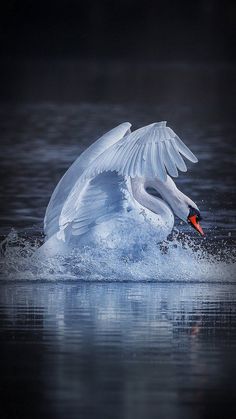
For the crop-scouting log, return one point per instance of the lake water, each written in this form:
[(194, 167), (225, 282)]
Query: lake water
[(105, 335), (118, 350)]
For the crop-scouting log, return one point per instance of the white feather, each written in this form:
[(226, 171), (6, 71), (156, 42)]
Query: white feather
[(93, 190), (64, 187), (152, 145)]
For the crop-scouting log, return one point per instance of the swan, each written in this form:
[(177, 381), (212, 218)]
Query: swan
[(123, 174)]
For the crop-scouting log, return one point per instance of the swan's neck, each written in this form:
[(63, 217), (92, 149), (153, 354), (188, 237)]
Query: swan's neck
[(152, 203)]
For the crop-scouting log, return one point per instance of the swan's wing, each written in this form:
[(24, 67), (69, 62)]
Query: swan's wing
[(150, 152), (64, 187), (91, 203)]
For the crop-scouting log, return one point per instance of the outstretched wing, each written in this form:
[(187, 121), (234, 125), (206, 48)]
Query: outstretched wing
[(64, 187), (91, 203), (151, 152)]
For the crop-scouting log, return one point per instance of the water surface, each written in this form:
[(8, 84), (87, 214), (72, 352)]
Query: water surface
[(104, 334), (118, 350)]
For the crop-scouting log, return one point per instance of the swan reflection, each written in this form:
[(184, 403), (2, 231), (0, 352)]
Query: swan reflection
[(94, 347)]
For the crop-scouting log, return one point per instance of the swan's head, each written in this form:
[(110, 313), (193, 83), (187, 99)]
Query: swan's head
[(193, 219), (188, 211), (182, 206)]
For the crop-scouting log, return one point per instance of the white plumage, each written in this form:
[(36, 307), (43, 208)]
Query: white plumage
[(110, 179), (148, 152)]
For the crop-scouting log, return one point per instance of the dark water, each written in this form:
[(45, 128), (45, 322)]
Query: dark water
[(112, 348)]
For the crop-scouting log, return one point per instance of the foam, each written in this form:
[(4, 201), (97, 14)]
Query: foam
[(123, 256)]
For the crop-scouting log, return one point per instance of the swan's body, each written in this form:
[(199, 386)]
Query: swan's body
[(109, 182)]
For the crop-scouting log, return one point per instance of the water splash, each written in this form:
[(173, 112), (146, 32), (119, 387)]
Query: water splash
[(138, 257)]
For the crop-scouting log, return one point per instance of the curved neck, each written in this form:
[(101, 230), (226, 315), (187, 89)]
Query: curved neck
[(152, 203)]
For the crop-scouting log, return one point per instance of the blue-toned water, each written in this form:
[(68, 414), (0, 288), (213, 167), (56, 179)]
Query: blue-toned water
[(116, 331), (117, 350)]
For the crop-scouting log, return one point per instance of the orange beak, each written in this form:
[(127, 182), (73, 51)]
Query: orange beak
[(193, 221)]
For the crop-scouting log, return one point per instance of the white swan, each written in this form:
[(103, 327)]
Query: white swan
[(112, 179)]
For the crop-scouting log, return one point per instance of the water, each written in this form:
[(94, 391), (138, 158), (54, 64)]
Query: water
[(118, 350), (104, 333)]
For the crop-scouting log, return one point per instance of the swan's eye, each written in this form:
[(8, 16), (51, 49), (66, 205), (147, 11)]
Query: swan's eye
[(198, 218), (194, 211)]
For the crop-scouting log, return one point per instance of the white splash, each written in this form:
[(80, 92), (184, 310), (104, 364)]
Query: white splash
[(136, 256)]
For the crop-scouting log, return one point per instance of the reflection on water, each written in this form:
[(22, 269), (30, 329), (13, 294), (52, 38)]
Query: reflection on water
[(118, 350)]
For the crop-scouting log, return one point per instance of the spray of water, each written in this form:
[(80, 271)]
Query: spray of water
[(136, 256)]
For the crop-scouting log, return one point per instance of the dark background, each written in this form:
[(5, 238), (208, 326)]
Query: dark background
[(123, 29), (57, 50)]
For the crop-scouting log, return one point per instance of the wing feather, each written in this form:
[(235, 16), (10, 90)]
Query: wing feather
[(153, 159), (185, 150), (149, 173), (133, 160), (162, 171), (151, 151), (139, 160), (124, 167), (92, 202), (176, 156), (169, 161)]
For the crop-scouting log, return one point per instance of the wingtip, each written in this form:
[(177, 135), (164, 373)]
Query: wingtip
[(128, 124), (161, 124), (195, 159)]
